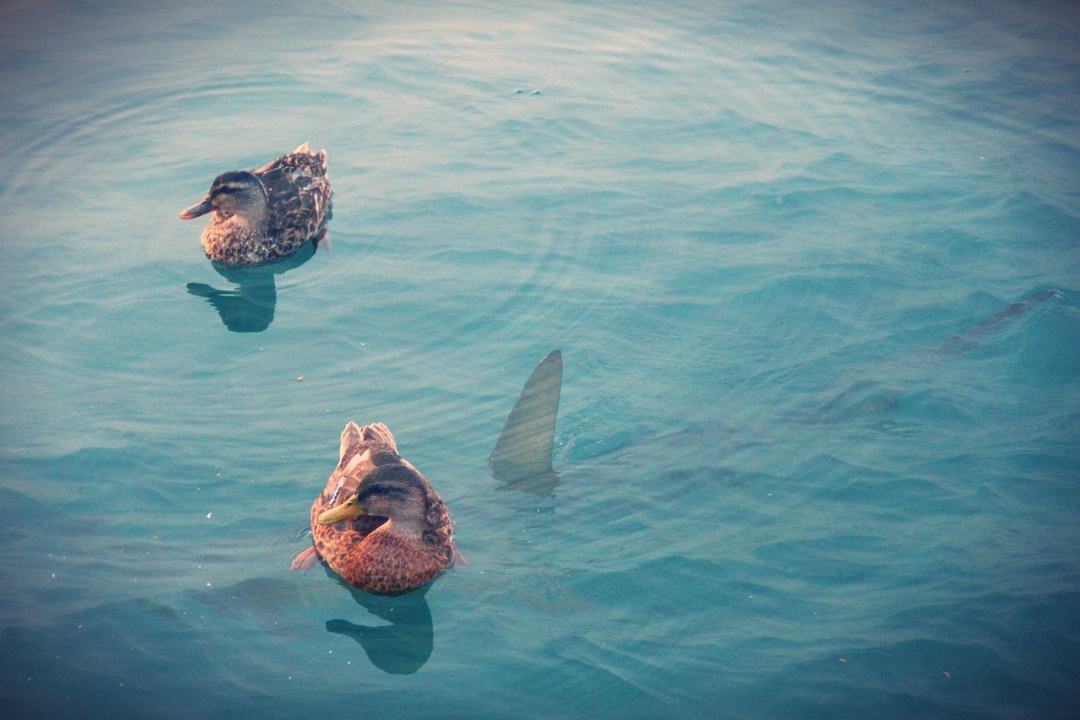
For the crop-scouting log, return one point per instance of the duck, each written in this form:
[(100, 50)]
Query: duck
[(379, 524), (267, 214)]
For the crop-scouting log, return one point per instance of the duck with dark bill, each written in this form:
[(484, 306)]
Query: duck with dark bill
[(267, 214)]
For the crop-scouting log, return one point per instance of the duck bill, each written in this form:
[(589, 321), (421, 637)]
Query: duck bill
[(196, 210), (345, 511)]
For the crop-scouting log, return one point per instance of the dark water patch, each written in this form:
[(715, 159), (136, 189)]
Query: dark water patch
[(404, 645), (250, 306), (112, 662)]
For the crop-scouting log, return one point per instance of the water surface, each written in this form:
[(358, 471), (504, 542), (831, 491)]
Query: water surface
[(808, 463)]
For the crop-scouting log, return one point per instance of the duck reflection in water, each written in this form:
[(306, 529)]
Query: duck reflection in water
[(521, 459), (403, 646), (250, 306)]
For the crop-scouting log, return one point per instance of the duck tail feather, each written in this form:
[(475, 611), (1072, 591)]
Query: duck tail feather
[(351, 435)]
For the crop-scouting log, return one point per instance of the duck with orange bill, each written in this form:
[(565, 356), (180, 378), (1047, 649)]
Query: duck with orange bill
[(379, 523)]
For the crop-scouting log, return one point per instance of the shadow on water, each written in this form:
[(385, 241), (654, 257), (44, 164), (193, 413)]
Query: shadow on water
[(869, 398), (250, 306), (968, 340), (403, 646), (521, 459)]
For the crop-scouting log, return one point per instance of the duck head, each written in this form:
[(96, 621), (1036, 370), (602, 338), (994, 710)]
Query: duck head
[(392, 491), (233, 193)]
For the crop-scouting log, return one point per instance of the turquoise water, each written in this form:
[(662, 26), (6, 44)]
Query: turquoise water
[(810, 464)]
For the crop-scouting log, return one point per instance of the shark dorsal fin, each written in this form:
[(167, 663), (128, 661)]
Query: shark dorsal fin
[(528, 437)]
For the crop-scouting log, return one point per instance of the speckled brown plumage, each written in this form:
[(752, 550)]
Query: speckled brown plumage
[(367, 552), (298, 204)]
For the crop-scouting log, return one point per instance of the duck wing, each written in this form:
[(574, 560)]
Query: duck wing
[(298, 195)]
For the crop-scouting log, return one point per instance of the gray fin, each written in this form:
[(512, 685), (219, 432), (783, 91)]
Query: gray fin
[(528, 437)]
